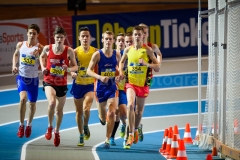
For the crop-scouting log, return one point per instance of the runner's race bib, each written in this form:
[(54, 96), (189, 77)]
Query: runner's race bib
[(108, 72), (57, 71), (82, 72), (28, 60)]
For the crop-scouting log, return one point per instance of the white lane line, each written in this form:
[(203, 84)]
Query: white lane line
[(172, 102), (3, 124), (153, 90), (43, 100), (157, 75), (176, 74), (172, 88), (183, 59), (23, 152), (24, 147), (12, 89), (148, 104)]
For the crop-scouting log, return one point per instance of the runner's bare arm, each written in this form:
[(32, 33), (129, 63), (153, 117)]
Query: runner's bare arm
[(72, 59), (122, 62), (158, 52), (118, 55), (93, 62), (16, 57), (155, 64), (43, 59)]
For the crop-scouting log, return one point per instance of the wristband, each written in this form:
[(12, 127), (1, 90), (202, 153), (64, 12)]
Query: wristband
[(147, 64), (68, 70)]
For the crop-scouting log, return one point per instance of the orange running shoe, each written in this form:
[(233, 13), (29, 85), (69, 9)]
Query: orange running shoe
[(135, 137), (130, 140)]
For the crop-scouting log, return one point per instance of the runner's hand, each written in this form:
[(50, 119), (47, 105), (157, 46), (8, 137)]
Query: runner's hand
[(36, 52), (65, 67), (74, 75), (14, 70), (117, 79), (141, 61), (104, 79), (44, 71), (121, 76)]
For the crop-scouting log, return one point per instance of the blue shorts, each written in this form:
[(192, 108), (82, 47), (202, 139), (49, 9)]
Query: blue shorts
[(103, 96), (122, 97), (30, 85), (78, 91)]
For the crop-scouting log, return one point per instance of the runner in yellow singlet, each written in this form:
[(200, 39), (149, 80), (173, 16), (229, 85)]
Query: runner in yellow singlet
[(157, 53), (137, 84), (83, 85)]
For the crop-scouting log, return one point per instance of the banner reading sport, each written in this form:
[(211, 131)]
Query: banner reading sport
[(14, 31), (175, 31)]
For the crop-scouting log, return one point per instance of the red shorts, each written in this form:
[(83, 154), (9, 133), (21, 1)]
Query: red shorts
[(140, 91)]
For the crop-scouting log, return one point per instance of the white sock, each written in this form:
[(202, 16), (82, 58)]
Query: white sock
[(29, 124)]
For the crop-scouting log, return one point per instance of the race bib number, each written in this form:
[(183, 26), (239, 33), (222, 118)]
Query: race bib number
[(135, 70), (28, 60), (82, 72), (108, 72), (57, 71)]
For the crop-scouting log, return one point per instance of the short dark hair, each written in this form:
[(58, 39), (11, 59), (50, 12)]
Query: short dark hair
[(128, 34), (34, 26), (138, 28), (59, 30), (85, 28), (120, 34)]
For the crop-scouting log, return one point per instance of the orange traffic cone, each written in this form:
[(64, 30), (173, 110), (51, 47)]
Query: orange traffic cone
[(175, 131), (187, 134), (236, 129), (209, 157), (169, 142), (174, 147), (170, 129), (164, 143), (214, 151), (181, 154)]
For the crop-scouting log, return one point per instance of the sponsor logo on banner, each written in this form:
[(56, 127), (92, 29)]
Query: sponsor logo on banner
[(176, 33), (93, 26), (14, 31)]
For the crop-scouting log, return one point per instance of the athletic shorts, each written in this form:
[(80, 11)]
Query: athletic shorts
[(103, 96), (30, 85), (122, 97), (140, 91), (60, 90), (78, 91)]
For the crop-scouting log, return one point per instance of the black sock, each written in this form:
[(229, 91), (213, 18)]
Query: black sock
[(115, 129)]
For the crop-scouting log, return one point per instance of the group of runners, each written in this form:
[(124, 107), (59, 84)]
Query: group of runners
[(118, 79)]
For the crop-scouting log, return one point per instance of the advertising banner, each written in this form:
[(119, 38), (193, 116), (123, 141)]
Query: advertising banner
[(175, 31), (14, 31)]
